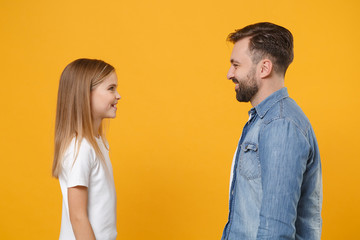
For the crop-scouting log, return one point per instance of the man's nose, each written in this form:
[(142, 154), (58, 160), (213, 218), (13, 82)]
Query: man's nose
[(230, 73)]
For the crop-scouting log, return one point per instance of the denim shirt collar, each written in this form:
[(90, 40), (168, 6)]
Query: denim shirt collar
[(263, 107)]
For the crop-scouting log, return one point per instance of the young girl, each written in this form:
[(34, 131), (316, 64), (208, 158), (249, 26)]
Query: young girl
[(87, 94)]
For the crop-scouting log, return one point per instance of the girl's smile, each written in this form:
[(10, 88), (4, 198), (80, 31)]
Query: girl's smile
[(104, 98)]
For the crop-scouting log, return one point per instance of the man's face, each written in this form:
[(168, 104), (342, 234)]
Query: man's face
[(243, 72)]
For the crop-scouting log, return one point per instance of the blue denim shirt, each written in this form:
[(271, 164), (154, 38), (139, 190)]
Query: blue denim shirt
[(276, 187)]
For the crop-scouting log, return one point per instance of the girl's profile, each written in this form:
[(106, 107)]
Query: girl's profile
[(87, 94)]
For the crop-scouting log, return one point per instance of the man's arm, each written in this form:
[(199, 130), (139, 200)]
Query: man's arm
[(283, 154), (78, 199)]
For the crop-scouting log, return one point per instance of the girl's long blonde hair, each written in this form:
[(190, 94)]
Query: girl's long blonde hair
[(73, 112)]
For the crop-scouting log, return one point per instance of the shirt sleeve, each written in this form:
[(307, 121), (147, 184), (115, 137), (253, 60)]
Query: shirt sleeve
[(79, 168), (283, 154)]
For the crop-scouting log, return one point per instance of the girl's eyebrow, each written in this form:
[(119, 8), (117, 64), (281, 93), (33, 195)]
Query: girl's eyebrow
[(112, 85)]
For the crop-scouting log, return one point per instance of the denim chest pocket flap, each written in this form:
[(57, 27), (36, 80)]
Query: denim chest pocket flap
[(250, 146), (249, 164)]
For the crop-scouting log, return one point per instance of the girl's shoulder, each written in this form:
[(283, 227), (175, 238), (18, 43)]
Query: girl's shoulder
[(102, 143), (79, 151)]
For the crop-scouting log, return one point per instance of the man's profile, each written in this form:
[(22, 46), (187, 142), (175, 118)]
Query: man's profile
[(276, 181)]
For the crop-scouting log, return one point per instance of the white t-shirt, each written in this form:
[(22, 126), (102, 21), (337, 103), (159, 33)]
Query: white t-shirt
[(233, 163), (88, 170)]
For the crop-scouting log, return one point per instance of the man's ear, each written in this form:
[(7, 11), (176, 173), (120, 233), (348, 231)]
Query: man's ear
[(266, 67)]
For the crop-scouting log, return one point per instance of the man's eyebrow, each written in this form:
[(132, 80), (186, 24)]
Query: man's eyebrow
[(232, 61)]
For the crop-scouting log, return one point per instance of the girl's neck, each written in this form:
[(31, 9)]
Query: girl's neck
[(96, 126)]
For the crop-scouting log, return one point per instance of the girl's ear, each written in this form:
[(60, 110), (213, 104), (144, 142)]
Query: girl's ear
[(266, 68)]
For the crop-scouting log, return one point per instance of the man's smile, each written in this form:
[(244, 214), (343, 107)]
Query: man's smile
[(234, 80), (236, 83)]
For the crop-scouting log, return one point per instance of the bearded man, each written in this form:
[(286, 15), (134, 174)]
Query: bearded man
[(276, 180)]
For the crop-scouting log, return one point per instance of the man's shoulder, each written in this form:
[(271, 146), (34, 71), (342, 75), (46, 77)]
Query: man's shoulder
[(287, 109)]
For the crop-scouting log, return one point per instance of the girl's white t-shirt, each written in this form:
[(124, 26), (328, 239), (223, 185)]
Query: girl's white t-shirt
[(89, 171)]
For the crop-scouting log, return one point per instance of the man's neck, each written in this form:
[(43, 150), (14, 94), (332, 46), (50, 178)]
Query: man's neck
[(268, 87)]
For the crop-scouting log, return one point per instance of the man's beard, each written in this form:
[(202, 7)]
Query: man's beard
[(247, 87)]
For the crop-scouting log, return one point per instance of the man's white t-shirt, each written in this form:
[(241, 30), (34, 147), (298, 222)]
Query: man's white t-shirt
[(89, 171), (233, 163)]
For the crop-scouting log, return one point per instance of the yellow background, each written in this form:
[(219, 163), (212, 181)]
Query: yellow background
[(178, 121)]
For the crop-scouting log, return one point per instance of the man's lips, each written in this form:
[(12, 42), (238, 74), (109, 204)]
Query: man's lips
[(237, 87), (236, 83)]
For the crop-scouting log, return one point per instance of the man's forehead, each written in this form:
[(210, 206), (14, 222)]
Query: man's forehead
[(242, 44), (240, 49)]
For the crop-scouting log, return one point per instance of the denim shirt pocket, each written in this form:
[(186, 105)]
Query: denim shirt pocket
[(249, 164)]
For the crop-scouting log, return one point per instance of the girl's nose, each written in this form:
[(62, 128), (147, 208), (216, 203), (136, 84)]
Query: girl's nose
[(118, 97)]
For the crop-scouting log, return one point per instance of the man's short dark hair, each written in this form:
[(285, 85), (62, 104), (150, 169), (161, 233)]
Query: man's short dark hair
[(268, 40)]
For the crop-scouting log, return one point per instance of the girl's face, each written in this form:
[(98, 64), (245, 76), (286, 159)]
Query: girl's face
[(104, 99)]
